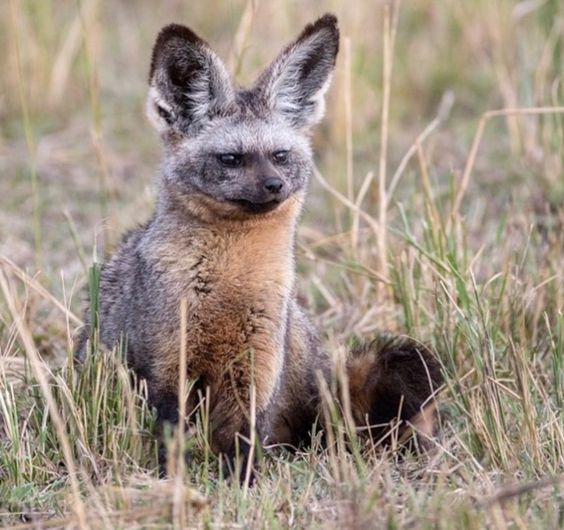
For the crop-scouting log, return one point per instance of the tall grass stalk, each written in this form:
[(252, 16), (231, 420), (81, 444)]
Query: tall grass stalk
[(15, 9)]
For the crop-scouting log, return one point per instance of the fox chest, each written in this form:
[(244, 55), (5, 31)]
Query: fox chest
[(233, 316)]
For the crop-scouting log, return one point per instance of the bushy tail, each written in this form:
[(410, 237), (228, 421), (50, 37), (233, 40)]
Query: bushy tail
[(392, 381)]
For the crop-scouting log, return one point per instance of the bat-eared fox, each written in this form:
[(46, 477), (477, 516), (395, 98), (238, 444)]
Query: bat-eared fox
[(233, 182)]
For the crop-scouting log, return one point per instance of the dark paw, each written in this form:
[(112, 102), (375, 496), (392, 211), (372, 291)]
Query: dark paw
[(163, 461), (249, 463), (242, 465)]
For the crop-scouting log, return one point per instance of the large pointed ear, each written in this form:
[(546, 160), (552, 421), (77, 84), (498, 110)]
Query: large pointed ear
[(188, 82), (295, 83)]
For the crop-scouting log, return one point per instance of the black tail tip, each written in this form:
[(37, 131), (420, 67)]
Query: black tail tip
[(393, 380)]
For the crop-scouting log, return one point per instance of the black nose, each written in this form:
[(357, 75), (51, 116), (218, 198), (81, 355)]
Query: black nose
[(273, 185)]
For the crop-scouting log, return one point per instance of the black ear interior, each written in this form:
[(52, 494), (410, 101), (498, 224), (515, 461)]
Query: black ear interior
[(166, 115), (322, 54), (180, 72), (191, 83), (314, 71), (176, 64)]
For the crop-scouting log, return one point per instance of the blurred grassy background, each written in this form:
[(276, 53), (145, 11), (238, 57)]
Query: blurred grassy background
[(483, 283)]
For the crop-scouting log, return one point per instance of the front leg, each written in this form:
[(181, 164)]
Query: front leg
[(231, 432), (166, 404)]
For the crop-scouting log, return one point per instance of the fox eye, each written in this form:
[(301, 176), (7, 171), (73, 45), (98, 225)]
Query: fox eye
[(231, 159), (280, 157)]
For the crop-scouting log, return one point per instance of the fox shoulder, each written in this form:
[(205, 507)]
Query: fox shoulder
[(115, 276)]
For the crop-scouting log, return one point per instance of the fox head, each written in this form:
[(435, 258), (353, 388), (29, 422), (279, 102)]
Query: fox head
[(238, 152)]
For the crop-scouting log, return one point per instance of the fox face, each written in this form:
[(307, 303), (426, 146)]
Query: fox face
[(238, 152)]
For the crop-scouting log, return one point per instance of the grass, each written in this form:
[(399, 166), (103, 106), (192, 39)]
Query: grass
[(437, 212)]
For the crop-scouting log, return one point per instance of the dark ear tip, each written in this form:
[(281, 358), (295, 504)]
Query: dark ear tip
[(326, 22), (328, 19), (169, 33), (172, 31)]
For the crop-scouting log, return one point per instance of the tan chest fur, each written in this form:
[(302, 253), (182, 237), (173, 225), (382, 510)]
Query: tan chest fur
[(237, 284)]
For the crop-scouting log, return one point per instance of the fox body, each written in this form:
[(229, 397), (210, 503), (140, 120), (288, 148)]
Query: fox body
[(236, 167)]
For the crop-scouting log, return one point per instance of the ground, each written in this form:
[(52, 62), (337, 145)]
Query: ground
[(430, 216)]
